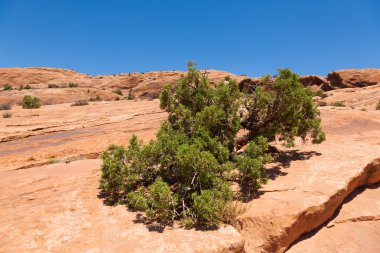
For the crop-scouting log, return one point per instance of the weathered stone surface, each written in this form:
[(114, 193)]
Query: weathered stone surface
[(316, 82), (350, 78), (146, 85), (318, 179), (55, 208), (355, 227)]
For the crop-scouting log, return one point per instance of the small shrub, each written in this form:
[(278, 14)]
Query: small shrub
[(52, 86), (378, 106), (130, 96), (29, 102), (320, 93), (322, 103), (95, 99), (27, 87), (338, 104), (117, 98), (80, 102), (7, 87), (73, 85), (7, 115), (5, 107), (118, 91)]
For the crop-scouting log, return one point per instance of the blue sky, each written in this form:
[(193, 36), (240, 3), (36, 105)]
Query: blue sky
[(243, 37)]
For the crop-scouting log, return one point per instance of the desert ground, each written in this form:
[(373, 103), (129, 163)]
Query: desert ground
[(320, 198)]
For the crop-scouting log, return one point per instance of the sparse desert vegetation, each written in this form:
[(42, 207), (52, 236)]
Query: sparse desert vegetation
[(80, 102), (338, 104), (7, 87), (52, 86), (7, 114), (118, 91), (5, 107), (73, 85), (29, 102)]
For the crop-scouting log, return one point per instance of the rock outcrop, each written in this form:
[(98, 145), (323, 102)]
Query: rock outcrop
[(316, 82), (318, 179), (145, 85), (354, 78), (353, 228)]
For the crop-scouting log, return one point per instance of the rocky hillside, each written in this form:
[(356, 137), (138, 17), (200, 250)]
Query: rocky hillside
[(142, 85)]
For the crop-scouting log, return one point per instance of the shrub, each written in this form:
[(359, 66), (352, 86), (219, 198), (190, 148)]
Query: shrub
[(7, 87), (378, 105), (130, 96), (29, 102), (320, 93), (7, 115), (73, 85), (321, 103), (52, 86), (80, 102), (187, 171), (337, 104), (117, 98), (27, 87), (5, 107), (97, 98), (118, 91)]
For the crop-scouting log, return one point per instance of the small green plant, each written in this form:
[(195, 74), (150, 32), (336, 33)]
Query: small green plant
[(73, 85), (51, 161), (95, 99), (52, 86), (80, 102), (130, 96), (7, 115), (378, 105), (338, 104), (27, 87), (117, 98), (322, 103), (118, 91), (319, 93), (29, 102), (7, 87), (5, 107)]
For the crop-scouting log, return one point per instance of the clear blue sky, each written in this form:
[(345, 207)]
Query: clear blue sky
[(243, 37)]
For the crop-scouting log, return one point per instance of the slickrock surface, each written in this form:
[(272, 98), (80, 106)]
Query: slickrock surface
[(56, 132), (56, 208), (318, 179), (147, 85), (354, 228), (350, 78)]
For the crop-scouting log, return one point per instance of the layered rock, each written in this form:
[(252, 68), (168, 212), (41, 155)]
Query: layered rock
[(353, 228), (57, 208), (316, 182), (354, 78), (316, 82)]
